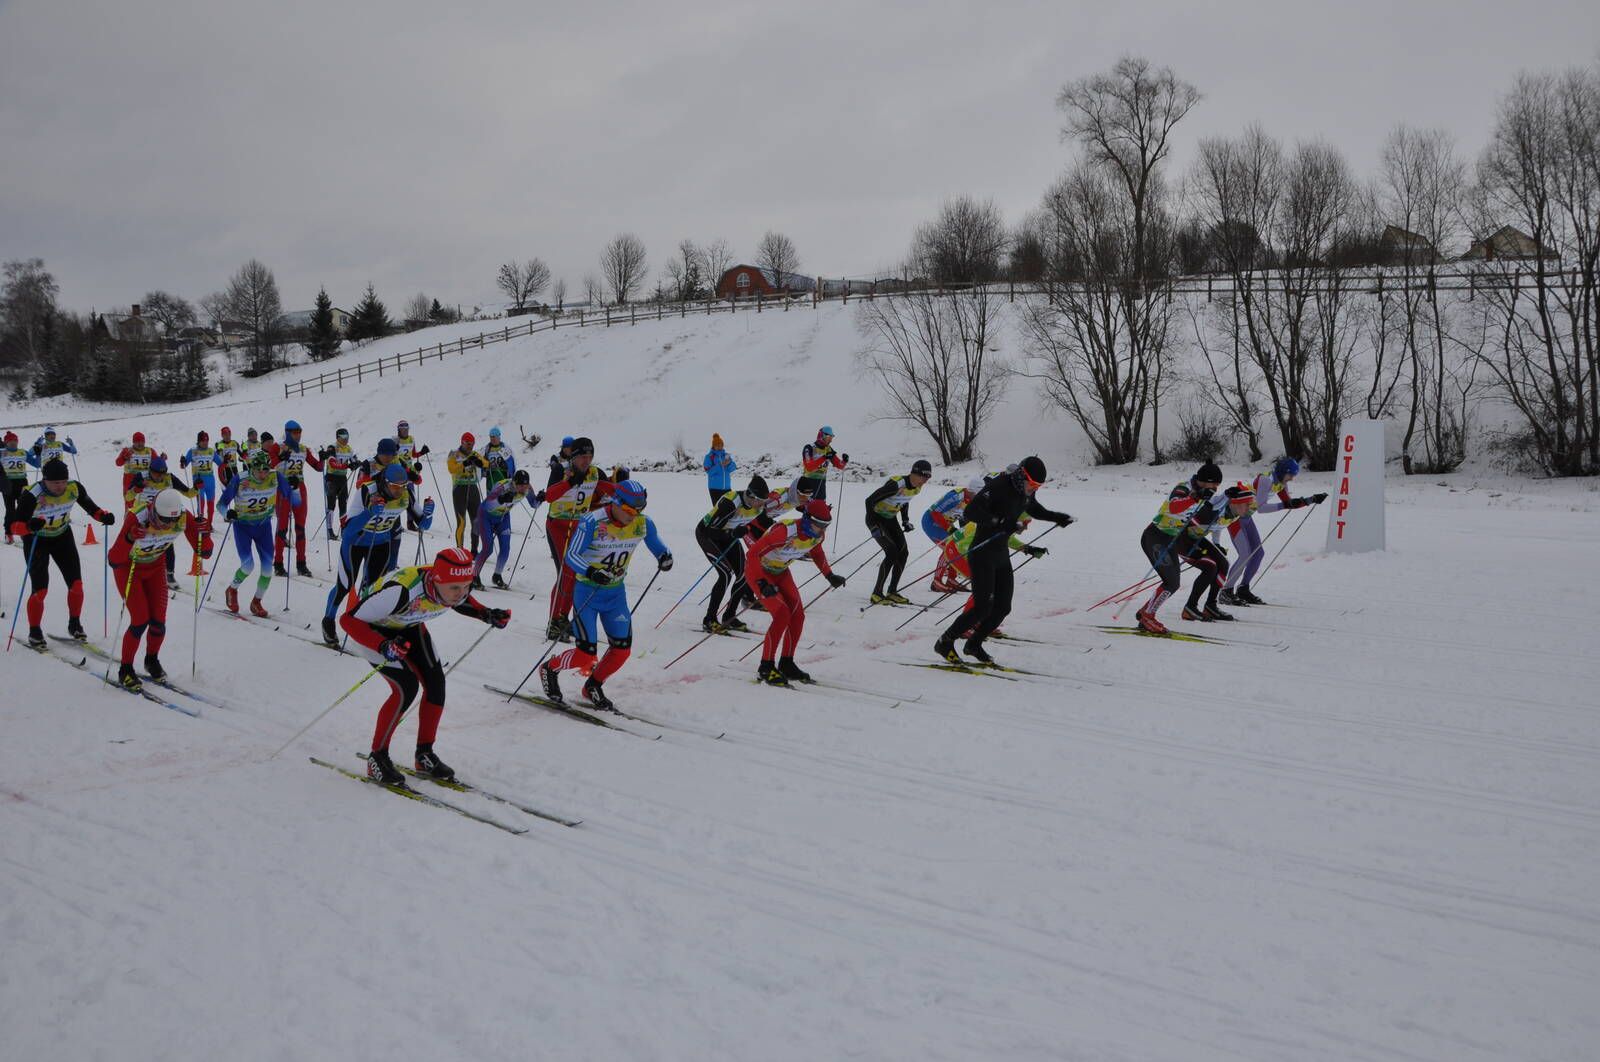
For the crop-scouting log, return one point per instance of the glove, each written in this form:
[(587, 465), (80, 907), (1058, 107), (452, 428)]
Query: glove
[(394, 649), (664, 562), (422, 453), (845, 458), (539, 496), (1035, 551), (766, 588), (427, 507), (1318, 499), (597, 575), (205, 550), (71, 443), (202, 525), (20, 527), (135, 532), (1220, 548), (230, 516), (294, 481), (1063, 520), (105, 518), (835, 581), (498, 618), (905, 524)]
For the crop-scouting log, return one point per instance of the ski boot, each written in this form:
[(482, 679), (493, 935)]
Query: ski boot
[(333, 536), (975, 651), (330, 635), (477, 583), (1195, 614), (770, 675), (791, 670), (734, 623), (429, 764), (595, 695), (551, 681), (1148, 622), (499, 583), (879, 598), (172, 581), (278, 569), (301, 569), (232, 597), (36, 638), (945, 648), (381, 769), (1245, 596), (1212, 612), (153, 668), (710, 625), (1229, 597), (258, 609), (128, 680), (897, 598), (75, 629)]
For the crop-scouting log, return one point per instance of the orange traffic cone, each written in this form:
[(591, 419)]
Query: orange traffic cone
[(88, 535)]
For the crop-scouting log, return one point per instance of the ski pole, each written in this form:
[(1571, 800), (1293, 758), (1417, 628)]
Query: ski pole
[(200, 598), (449, 526), (22, 587), (105, 585), (323, 714), (126, 590), (1019, 567), (194, 626), (635, 606), (1262, 577), (518, 562), (470, 648), (808, 604), (816, 574), (546, 652), (711, 567)]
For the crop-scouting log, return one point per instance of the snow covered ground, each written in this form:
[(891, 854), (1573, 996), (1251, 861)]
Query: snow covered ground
[(1366, 830)]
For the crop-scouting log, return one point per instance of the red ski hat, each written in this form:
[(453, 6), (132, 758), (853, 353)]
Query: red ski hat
[(467, 441), (11, 436), (138, 438), (453, 565), (819, 512)]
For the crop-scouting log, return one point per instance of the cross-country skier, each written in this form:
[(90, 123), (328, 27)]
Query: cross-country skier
[(48, 448), (996, 512), (569, 498), (230, 455), (558, 460), (954, 548), (337, 461), (137, 569), (940, 521), (372, 538), (815, 457), (718, 534), (389, 622), (201, 458), (498, 461), (1176, 535), (1272, 495), (248, 503), (493, 524), (43, 521), (387, 453), (146, 485), (464, 463), (888, 519), (252, 445), (597, 556), (13, 477), (134, 460), (766, 569), (291, 458), (410, 450)]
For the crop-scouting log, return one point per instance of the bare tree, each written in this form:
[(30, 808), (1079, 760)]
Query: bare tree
[(935, 360), (558, 294), (594, 290), (251, 299), (965, 244), (777, 255), (417, 310), (716, 257), (522, 281), (27, 310), (172, 311), (623, 266), (685, 274)]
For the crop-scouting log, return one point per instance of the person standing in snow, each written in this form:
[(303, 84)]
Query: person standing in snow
[(201, 458), (719, 466), (888, 519), (137, 569), (498, 461), (464, 463), (291, 458), (337, 461), (43, 521), (13, 477)]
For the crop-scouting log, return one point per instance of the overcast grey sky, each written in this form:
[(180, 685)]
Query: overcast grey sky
[(151, 144)]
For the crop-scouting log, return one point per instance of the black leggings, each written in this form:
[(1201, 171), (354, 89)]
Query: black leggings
[(467, 499), (425, 674), (60, 548), (886, 529), (1166, 552), (336, 492), (722, 549), (993, 583), (12, 489)]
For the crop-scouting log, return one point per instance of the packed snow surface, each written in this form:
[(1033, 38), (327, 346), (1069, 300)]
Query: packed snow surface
[(1364, 829)]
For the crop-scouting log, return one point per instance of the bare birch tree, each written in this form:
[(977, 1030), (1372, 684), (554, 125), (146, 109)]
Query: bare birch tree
[(777, 255), (521, 282), (623, 266)]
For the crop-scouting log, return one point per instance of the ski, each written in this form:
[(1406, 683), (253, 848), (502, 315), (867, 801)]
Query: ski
[(422, 798), (959, 669), (108, 658), (842, 687), (45, 650), (568, 710), (193, 713), (1026, 673), (458, 786), (241, 617), (1204, 639)]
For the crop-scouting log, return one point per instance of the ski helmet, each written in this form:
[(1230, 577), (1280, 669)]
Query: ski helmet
[(494, 433), (582, 445), (388, 448), (158, 463), (566, 442), (1285, 468), (921, 467), (403, 428), (757, 488), (49, 433), (453, 565), (396, 473), (1208, 473), (824, 432), (467, 440), (290, 425), (521, 478), (202, 436), (55, 468), (138, 437), (342, 433), (168, 504), (818, 513), (260, 461), (631, 492)]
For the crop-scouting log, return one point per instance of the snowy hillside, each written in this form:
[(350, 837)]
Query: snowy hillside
[(1363, 829)]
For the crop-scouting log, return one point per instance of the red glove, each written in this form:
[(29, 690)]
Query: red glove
[(135, 531)]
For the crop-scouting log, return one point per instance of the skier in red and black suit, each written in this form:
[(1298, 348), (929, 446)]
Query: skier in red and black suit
[(291, 458), (767, 571), (996, 512)]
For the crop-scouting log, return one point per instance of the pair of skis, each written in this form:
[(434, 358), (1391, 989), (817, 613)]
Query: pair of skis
[(455, 786)]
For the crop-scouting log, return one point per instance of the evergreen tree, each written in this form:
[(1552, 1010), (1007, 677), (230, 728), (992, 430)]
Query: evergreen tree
[(370, 319), (439, 315), (58, 358), (324, 340)]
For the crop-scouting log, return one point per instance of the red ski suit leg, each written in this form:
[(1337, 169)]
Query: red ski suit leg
[(146, 596), (788, 616)]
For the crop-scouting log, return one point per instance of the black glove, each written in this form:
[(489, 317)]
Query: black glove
[(1062, 519), (35, 523), (835, 581), (539, 496), (105, 518), (498, 618), (597, 575), (767, 589), (294, 482), (1318, 499), (394, 649), (1221, 549), (905, 525), (664, 562), (845, 458), (230, 516), (422, 452), (1035, 551)]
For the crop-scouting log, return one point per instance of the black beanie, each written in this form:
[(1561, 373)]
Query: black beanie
[(55, 468), (1208, 473)]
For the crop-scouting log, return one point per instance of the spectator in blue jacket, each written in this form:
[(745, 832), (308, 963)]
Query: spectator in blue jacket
[(719, 466)]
